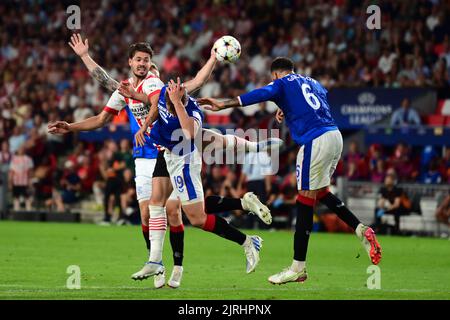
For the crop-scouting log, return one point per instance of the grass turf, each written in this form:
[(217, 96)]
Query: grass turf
[(34, 258)]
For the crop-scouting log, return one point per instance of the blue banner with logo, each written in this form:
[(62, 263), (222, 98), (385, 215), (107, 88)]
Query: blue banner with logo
[(357, 108)]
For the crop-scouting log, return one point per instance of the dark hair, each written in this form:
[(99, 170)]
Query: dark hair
[(282, 64), (140, 46)]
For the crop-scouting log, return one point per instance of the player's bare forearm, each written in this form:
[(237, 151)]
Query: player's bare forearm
[(187, 123), (202, 76), (91, 123), (141, 97), (104, 79), (230, 103), (99, 74)]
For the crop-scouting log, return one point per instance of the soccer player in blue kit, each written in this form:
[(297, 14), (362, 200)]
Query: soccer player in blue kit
[(303, 103)]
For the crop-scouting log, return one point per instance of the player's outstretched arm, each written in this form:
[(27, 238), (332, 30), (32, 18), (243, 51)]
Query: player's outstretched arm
[(217, 105), (92, 123), (98, 73), (189, 125), (202, 76), (266, 93)]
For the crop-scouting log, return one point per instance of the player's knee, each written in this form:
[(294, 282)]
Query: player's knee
[(199, 221), (157, 201), (173, 215)]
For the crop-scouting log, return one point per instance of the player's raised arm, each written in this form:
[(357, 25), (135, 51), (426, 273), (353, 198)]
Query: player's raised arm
[(266, 93), (202, 76), (189, 124), (92, 123), (98, 73)]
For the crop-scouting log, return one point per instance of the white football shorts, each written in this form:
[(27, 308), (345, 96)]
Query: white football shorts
[(317, 161), (185, 175)]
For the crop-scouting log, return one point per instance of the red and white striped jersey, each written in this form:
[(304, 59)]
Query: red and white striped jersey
[(151, 85), (137, 112), (20, 166)]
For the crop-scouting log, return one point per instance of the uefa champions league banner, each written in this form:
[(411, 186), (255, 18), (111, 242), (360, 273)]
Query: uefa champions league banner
[(357, 108)]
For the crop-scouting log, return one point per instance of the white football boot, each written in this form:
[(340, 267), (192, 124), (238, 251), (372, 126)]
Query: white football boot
[(252, 246), (250, 202), (159, 280), (287, 275), (149, 269), (175, 278)]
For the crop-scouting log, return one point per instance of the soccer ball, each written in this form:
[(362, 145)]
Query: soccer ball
[(227, 49)]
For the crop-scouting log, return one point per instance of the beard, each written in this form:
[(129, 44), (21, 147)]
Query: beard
[(141, 73)]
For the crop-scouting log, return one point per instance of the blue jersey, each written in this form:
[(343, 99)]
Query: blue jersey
[(167, 129), (303, 101), (137, 111)]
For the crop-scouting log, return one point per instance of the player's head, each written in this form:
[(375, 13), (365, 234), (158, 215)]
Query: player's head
[(140, 58), (280, 67)]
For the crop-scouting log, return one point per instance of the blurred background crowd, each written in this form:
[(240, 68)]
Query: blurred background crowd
[(42, 80)]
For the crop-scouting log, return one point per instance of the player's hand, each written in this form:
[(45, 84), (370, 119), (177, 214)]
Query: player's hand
[(213, 54), (58, 127), (76, 43), (176, 90), (279, 116), (139, 137), (211, 104), (126, 90)]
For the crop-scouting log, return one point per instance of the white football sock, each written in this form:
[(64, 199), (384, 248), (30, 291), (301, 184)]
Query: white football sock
[(157, 230), (234, 141), (297, 266), (359, 231)]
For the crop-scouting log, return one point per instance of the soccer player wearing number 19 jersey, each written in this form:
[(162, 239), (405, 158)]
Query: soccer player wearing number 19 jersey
[(304, 105)]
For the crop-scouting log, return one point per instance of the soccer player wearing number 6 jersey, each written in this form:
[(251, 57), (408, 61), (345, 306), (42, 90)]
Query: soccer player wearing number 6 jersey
[(303, 103)]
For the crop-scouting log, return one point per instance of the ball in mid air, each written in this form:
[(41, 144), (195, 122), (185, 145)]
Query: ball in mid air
[(227, 49)]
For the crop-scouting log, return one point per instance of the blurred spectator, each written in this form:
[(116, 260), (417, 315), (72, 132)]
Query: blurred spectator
[(20, 174), (405, 116), (386, 61), (43, 183), (130, 205), (444, 165), (213, 181), (282, 201), (262, 112), (125, 155), (112, 192), (82, 112), (70, 187), (17, 139), (403, 164), (378, 173), (432, 175), (354, 162), (392, 200), (443, 211), (5, 156)]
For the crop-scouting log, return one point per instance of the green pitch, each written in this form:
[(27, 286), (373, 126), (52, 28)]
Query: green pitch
[(34, 258)]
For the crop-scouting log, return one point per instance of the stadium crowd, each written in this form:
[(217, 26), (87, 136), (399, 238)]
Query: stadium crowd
[(42, 80)]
